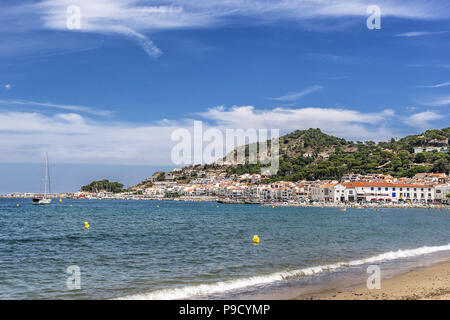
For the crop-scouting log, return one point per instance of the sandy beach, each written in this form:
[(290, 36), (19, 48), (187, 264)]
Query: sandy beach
[(430, 283)]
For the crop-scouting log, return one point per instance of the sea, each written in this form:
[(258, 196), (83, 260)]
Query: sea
[(204, 250)]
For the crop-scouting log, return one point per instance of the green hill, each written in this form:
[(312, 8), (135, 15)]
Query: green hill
[(311, 154)]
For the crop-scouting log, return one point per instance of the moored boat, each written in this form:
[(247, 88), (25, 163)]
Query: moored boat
[(45, 199)]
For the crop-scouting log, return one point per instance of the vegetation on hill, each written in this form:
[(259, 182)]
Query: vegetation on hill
[(103, 186), (311, 154)]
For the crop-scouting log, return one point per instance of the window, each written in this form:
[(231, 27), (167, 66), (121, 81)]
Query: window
[(429, 194), (401, 189), (386, 189), (393, 189), (379, 189), (372, 188)]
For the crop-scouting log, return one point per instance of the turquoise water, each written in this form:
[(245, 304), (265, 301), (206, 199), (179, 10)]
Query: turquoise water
[(174, 250)]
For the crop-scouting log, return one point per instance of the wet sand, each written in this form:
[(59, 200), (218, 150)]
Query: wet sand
[(431, 283)]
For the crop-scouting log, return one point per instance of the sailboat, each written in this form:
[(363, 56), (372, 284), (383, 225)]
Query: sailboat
[(45, 198)]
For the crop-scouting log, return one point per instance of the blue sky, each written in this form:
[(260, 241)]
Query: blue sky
[(112, 92)]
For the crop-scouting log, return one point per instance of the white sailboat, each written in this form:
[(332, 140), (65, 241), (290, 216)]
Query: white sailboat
[(45, 198)]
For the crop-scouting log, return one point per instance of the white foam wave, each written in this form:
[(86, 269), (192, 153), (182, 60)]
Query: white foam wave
[(236, 284)]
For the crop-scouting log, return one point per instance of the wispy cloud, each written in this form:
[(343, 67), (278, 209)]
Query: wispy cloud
[(439, 101), (337, 77), (439, 85), (325, 56), (420, 33), (422, 119), (8, 86), (75, 108), (295, 96), (136, 19)]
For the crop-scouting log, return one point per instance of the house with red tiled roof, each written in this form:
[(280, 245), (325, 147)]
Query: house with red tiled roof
[(431, 178)]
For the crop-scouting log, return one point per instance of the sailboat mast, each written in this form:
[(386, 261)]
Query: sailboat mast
[(47, 175)]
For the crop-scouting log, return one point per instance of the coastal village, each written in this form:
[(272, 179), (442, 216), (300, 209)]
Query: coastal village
[(422, 189), (412, 171)]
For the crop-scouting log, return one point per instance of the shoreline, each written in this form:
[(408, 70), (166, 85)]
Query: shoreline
[(419, 283), (221, 201)]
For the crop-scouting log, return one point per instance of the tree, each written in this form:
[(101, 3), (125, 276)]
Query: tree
[(440, 166), (420, 157), (103, 186), (404, 155), (396, 162)]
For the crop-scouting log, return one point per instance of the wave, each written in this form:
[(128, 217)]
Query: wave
[(203, 290)]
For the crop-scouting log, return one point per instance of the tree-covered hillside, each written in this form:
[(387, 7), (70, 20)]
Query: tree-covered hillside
[(311, 154)]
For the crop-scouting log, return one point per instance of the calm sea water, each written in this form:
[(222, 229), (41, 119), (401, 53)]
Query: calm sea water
[(187, 250)]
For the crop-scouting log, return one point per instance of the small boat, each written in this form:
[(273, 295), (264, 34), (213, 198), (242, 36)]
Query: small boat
[(42, 200), (344, 209), (45, 199)]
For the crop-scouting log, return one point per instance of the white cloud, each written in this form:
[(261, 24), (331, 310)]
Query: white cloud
[(137, 18), (298, 95), (149, 47), (439, 85), (440, 101), (340, 122), (88, 110), (8, 86), (419, 33), (73, 138), (422, 119)]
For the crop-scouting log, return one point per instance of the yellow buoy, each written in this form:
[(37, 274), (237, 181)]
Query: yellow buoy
[(255, 239), (86, 225), (60, 200), (273, 207), (17, 204), (157, 206), (70, 205)]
